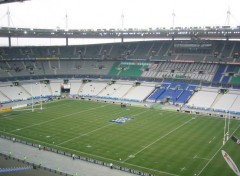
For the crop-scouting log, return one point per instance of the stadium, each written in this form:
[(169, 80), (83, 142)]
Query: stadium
[(165, 104)]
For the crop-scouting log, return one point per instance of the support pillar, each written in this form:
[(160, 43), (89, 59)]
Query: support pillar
[(9, 41), (66, 41), (122, 40)]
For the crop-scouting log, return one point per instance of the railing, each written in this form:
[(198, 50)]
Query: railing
[(34, 166), (137, 172)]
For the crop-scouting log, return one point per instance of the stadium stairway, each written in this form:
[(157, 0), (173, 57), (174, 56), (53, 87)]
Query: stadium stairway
[(155, 94), (103, 89), (4, 95), (128, 91), (184, 97), (50, 89), (80, 88), (236, 78), (114, 70), (218, 75), (219, 96), (23, 89)]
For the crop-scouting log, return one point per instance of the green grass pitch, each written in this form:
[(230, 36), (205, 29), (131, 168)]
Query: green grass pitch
[(155, 141)]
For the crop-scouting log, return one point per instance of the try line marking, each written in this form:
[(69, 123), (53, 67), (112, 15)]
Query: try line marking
[(158, 139), (60, 117), (215, 153)]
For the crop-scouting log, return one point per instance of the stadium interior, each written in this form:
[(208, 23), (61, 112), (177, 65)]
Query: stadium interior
[(180, 73), (152, 107)]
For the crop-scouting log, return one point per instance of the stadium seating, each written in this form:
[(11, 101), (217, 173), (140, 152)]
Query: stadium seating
[(235, 106), (92, 89), (138, 93), (203, 99), (156, 94), (225, 102), (55, 87), (115, 91), (14, 93), (177, 72), (184, 97), (75, 86), (218, 75)]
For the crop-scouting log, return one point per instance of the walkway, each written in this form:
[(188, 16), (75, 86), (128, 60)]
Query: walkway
[(56, 161)]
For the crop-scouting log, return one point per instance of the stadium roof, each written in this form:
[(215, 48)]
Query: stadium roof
[(9, 1), (217, 32)]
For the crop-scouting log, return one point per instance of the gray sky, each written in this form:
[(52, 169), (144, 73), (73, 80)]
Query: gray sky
[(95, 14), (106, 14)]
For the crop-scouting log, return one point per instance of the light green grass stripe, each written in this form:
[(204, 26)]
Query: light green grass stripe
[(60, 117), (159, 139), (216, 153), (88, 154)]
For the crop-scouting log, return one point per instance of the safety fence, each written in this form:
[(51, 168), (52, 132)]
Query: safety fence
[(106, 164)]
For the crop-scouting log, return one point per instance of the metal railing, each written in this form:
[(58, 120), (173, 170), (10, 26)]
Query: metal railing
[(106, 164)]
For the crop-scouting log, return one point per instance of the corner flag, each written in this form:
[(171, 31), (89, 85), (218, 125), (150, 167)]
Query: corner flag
[(236, 140)]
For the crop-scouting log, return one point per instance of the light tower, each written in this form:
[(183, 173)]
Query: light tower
[(227, 22), (122, 20), (66, 21), (8, 17), (173, 19)]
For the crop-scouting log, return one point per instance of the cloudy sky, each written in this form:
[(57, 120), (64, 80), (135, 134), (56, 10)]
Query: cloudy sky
[(106, 14), (95, 14)]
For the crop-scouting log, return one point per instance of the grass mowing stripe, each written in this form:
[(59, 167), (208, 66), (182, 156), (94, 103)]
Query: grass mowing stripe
[(118, 142), (167, 173), (84, 134), (158, 139), (96, 129), (60, 117), (215, 154)]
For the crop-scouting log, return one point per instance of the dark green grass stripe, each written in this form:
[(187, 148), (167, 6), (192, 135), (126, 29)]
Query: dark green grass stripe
[(93, 137), (200, 172), (165, 135), (57, 118)]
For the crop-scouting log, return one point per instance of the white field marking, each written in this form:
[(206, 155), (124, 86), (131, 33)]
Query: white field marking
[(8, 117), (84, 134), (211, 140), (196, 157), (92, 154), (215, 153), (59, 117), (140, 113), (159, 139), (26, 109), (30, 110), (78, 126), (182, 169)]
